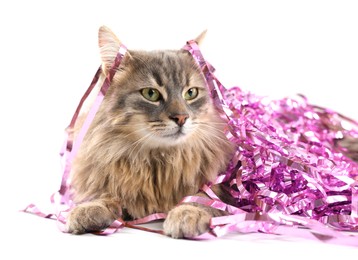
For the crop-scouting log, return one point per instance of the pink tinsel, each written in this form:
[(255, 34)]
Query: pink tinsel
[(289, 168), (290, 160)]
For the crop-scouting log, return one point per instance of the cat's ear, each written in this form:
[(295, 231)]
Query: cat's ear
[(200, 38), (109, 46)]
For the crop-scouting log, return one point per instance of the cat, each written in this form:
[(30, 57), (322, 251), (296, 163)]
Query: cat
[(156, 138)]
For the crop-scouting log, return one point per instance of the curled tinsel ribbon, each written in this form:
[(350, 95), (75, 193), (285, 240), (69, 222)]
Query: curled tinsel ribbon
[(290, 147), (291, 168), (296, 164)]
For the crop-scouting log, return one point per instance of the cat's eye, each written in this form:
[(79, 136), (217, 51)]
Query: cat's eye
[(191, 93), (151, 94)]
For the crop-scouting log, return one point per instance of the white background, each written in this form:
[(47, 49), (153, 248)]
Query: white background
[(49, 54)]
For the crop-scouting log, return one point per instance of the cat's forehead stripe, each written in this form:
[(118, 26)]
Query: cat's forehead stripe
[(157, 77), (174, 70)]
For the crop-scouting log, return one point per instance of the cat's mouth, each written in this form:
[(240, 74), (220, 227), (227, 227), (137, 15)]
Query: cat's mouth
[(179, 133), (169, 135), (176, 134)]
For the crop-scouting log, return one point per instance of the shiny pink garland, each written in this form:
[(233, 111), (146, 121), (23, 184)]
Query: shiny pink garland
[(288, 170)]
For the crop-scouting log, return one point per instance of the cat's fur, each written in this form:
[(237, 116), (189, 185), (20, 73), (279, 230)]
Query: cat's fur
[(140, 156)]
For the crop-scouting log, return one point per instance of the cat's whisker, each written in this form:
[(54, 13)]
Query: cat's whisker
[(219, 127), (132, 133), (210, 123), (209, 136), (140, 141), (130, 125), (209, 132), (216, 128)]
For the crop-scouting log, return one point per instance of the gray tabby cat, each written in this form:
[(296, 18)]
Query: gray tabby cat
[(156, 138)]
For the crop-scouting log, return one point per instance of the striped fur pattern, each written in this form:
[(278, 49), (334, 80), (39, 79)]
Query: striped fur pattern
[(156, 138)]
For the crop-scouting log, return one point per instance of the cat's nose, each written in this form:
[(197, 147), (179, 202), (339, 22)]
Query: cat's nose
[(179, 119)]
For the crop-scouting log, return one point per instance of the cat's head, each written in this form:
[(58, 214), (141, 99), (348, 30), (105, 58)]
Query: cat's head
[(157, 98)]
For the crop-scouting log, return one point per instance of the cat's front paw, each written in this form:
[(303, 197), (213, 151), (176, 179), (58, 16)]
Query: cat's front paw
[(186, 221), (88, 218)]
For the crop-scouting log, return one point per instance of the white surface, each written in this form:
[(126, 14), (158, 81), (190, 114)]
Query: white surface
[(48, 56)]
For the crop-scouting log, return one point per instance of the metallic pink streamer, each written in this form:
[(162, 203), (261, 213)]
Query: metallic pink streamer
[(290, 170)]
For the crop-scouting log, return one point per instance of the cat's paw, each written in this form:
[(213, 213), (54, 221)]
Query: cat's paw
[(88, 217), (186, 221)]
